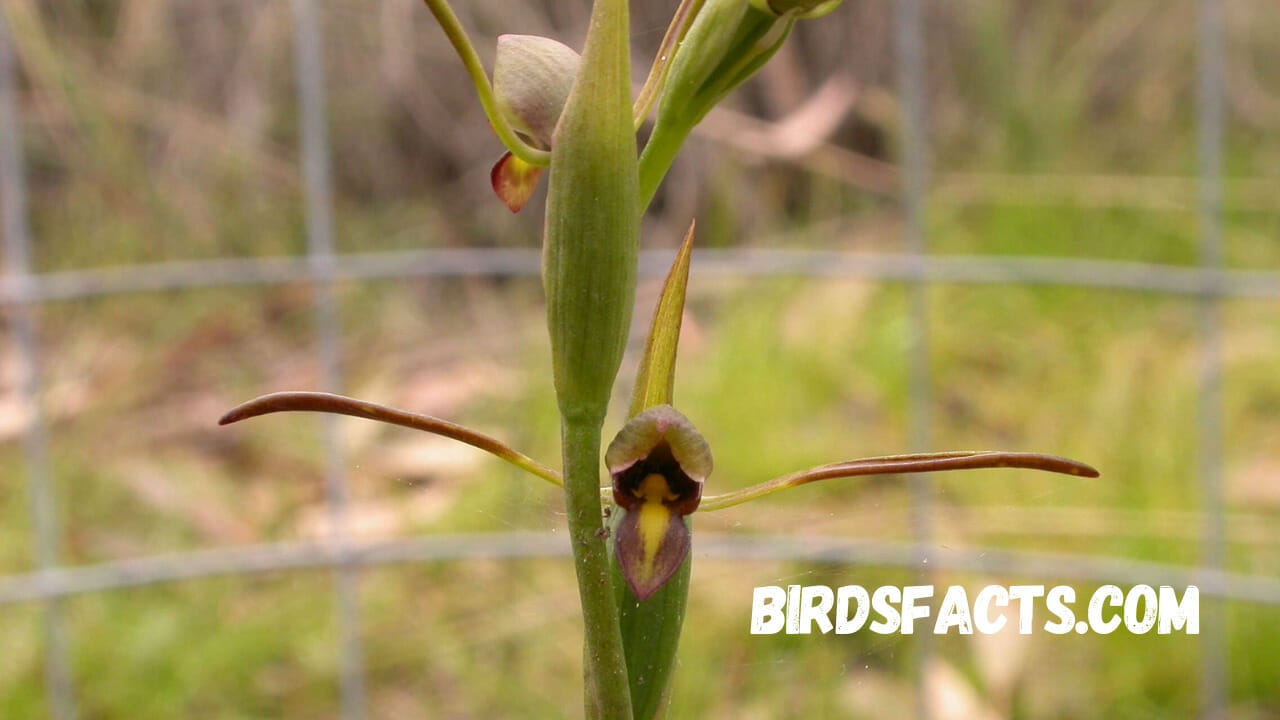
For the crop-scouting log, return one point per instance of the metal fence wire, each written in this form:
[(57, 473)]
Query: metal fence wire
[(22, 291)]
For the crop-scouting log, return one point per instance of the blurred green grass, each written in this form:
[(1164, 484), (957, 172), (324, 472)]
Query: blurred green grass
[(151, 136)]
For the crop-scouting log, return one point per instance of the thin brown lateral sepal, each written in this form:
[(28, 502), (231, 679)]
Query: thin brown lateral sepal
[(893, 464), (341, 405)]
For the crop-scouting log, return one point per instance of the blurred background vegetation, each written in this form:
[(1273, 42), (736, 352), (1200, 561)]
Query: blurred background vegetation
[(164, 130)]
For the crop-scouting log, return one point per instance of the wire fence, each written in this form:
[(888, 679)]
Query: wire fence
[(21, 291)]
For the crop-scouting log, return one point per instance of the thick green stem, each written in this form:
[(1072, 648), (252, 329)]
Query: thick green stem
[(608, 689)]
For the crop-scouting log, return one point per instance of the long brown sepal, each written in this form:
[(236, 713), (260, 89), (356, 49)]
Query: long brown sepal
[(298, 401), (915, 463)]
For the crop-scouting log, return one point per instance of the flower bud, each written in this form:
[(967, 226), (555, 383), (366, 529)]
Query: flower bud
[(532, 77)]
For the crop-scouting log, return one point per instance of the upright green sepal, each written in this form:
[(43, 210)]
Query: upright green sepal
[(655, 380)]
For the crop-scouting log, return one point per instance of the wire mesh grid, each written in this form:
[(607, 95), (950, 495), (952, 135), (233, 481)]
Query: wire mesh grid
[(22, 290)]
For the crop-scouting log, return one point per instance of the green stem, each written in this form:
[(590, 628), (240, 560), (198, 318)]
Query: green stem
[(659, 152), (606, 667), (480, 79)]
